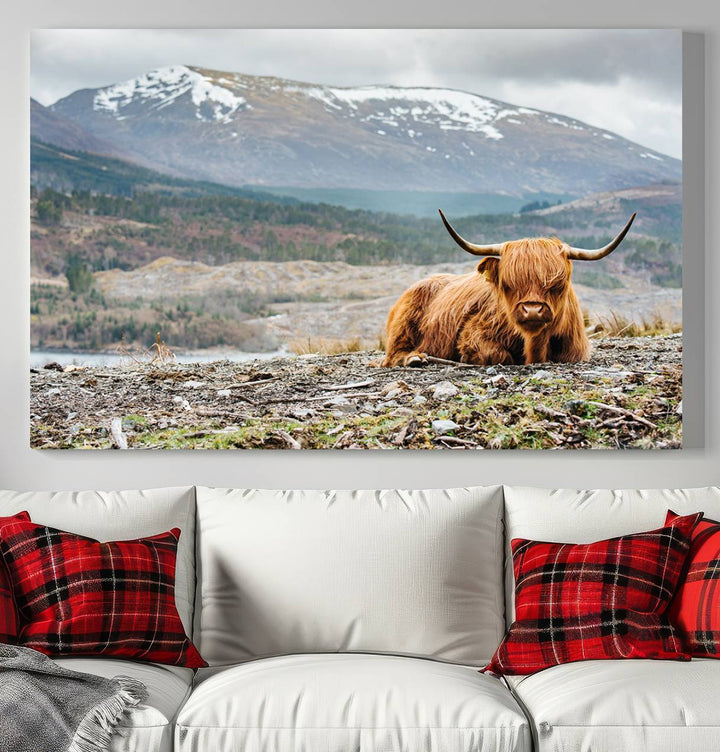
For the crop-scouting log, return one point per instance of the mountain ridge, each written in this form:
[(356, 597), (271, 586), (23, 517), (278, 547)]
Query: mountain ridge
[(51, 127), (237, 129)]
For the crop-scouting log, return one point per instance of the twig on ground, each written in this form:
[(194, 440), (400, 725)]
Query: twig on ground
[(622, 411)]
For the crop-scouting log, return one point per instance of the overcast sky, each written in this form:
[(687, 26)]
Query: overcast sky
[(627, 81)]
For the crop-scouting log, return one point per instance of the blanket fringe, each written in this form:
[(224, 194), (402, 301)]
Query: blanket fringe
[(96, 730)]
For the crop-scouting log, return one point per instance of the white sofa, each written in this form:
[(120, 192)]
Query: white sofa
[(355, 621)]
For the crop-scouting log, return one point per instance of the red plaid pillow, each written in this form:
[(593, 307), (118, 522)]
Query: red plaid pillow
[(593, 601), (695, 610), (8, 612), (77, 596)]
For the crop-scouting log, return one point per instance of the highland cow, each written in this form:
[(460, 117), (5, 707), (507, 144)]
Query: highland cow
[(518, 307)]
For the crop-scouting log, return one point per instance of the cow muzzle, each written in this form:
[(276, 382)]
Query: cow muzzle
[(533, 315)]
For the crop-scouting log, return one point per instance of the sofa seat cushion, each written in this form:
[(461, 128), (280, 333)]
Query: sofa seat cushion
[(149, 727), (607, 706), (343, 702)]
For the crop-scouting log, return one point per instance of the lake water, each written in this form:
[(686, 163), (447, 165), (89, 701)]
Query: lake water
[(39, 358)]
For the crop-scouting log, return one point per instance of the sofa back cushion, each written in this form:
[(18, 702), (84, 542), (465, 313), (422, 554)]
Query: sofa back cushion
[(397, 572), (120, 515), (564, 515)]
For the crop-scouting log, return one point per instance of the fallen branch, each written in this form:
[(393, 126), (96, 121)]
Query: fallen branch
[(349, 395), (613, 422), (342, 439), (208, 412), (446, 362), (119, 439), (198, 434), (550, 413), (245, 398), (324, 398), (453, 440), (355, 385), (623, 411), (288, 439), (406, 432)]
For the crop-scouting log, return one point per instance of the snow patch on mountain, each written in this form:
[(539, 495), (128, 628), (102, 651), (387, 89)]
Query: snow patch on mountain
[(164, 86), (447, 109), (573, 124)]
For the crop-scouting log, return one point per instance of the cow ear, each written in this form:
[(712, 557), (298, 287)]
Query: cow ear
[(489, 267)]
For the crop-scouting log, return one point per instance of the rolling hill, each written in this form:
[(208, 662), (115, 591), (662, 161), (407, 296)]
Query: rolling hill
[(66, 170)]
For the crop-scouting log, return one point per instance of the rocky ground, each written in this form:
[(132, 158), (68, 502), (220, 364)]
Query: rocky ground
[(627, 396)]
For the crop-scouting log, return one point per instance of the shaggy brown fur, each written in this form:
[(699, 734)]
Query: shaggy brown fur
[(519, 308)]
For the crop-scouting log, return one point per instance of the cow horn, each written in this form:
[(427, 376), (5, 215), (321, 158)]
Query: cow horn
[(493, 249), (582, 254)]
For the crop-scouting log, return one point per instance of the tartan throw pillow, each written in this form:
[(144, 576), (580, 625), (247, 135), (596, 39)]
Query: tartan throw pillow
[(601, 600), (77, 596), (8, 612), (695, 609)]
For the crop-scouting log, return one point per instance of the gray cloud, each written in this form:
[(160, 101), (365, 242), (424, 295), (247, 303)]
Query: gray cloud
[(624, 80)]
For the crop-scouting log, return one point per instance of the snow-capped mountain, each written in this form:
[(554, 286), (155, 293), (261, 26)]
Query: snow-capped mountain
[(213, 102), (238, 129)]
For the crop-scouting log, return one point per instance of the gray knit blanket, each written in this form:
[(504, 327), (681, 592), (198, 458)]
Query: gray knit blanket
[(47, 708)]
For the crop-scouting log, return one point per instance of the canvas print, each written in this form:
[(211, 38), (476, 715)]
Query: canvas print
[(356, 239)]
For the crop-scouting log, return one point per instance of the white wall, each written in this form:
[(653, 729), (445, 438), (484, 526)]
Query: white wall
[(695, 465)]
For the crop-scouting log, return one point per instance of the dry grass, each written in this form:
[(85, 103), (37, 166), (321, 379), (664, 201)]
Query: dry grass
[(617, 325), (158, 352), (329, 346), (325, 346)]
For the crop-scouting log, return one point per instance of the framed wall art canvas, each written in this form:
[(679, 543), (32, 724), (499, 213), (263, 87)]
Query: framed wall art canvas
[(236, 240)]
